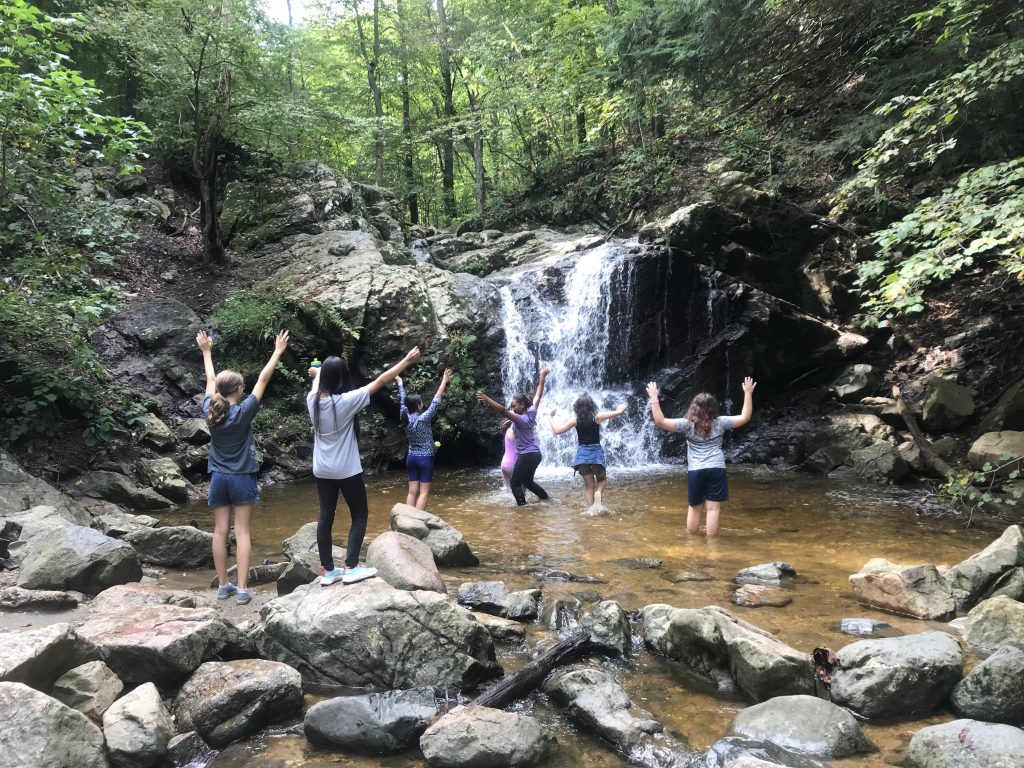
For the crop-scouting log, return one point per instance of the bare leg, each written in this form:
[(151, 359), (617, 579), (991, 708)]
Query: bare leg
[(714, 508), (588, 489), (693, 517), (414, 491), (506, 475), (243, 543), (601, 484), (221, 526), (421, 500)]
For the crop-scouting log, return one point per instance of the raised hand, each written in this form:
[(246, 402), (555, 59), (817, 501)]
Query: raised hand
[(748, 385), (204, 341), (652, 390), (412, 355), (281, 342), (544, 371), (482, 397), (398, 380), (447, 375)]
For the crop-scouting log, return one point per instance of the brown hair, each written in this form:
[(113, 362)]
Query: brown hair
[(228, 382), (702, 413)]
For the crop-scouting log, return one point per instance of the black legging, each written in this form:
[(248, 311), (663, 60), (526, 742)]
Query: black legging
[(522, 474), (353, 489)]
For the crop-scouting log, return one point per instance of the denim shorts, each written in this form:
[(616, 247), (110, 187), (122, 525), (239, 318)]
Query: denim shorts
[(589, 460), (228, 490), (421, 468), (711, 484)]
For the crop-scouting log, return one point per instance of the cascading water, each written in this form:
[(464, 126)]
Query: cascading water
[(575, 334)]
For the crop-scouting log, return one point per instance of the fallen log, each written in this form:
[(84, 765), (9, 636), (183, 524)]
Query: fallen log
[(928, 452), (519, 684)]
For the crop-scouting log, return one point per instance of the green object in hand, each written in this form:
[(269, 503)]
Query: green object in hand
[(437, 443), (316, 363)]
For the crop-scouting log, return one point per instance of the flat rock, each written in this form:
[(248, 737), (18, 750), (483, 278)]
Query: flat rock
[(39, 731), (861, 627), (493, 597), (995, 622), (137, 729), (758, 595), (119, 489), (966, 744), (678, 577), (918, 591), (804, 724), (19, 599), (897, 676), (994, 447), (404, 562), (481, 736), (78, 558), (129, 595), (969, 579), (445, 541), (742, 752), (502, 630), (993, 691), (227, 701), (90, 688), (38, 656), (392, 638), (178, 546), (770, 574), (392, 721)]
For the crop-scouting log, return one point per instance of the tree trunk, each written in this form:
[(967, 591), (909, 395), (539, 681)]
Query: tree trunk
[(581, 126), (373, 79), (447, 140), (928, 452), (204, 162), (518, 685), (408, 168)]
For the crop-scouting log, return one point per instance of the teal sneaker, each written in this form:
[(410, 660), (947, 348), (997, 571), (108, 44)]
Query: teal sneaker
[(244, 597), (332, 577), (226, 591), (359, 573)]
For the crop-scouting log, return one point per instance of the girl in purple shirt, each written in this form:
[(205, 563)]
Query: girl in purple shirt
[(524, 420)]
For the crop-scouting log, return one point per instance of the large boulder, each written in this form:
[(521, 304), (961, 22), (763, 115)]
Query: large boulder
[(90, 688), (20, 599), (448, 545), (40, 731), (117, 599), (998, 449), (1008, 412), (946, 405), (966, 744), (392, 721), (599, 704), (177, 546), (163, 644), (301, 570), (992, 691), (880, 461), (969, 579), (118, 489), (493, 597), (38, 656), (907, 590), (137, 729), (856, 381), (608, 627), (78, 558), (156, 434), (303, 542), (226, 701), (804, 724), (164, 477), (480, 736), (392, 638), (995, 622), (404, 562), (761, 595), (897, 676), (20, 491), (718, 646)]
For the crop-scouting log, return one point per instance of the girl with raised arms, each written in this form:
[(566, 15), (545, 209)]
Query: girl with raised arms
[(589, 460), (420, 459)]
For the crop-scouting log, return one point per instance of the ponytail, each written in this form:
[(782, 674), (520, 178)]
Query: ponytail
[(413, 404), (228, 382)]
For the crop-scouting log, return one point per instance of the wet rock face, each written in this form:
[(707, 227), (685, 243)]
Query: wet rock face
[(90, 688), (40, 731), (476, 736), (178, 546), (137, 729), (392, 638), (995, 622), (969, 579), (379, 722), (446, 542), (493, 597), (20, 492), (404, 562), (37, 657), (79, 558), (907, 590), (966, 744), (804, 724), (992, 690), (897, 676)]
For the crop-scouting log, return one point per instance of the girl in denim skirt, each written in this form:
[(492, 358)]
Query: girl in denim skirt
[(232, 463), (707, 484), (420, 460), (589, 460)]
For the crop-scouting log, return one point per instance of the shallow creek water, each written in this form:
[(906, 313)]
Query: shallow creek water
[(825, 529)]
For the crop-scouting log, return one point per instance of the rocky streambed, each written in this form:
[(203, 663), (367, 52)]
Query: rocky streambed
[(677, 669)]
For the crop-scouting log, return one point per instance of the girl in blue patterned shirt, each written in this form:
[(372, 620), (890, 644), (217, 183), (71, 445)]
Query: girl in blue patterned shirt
[(420, 461)]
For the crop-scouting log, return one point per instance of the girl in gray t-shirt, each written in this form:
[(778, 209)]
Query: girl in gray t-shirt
[(707, 484)]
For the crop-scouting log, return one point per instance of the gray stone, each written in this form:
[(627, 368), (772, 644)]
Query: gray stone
[(19, 599), (392, 638), (741, 752), (995, 622), (969, 579), (856, 381), (771, 574), (558, 609), (164, 477), (897, 676), (599, 704), (1008, 412), (90, 688), (188, 748), (1010, 584), (760, 595), (608, 627), (861, 627), (804, 724), (227, 701), (38, 656), (115, 523), (392, 721), (966, 744), (946, 405), (178, 546), (78, 558), (493, 597), (118, 489), (827, 458), (20, 491), (448, 544), (907, 590), (404, 562), (138, 728), (678, 577), (1001, 450), (728, 651), (156, 434), (302, 569), (502, 630), (480, 736), (124, 596), (303, 542), (40, 731), (993, 691), (880, 461), (194, 431)]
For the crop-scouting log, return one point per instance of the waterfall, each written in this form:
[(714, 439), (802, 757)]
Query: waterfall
[(574, 331)]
